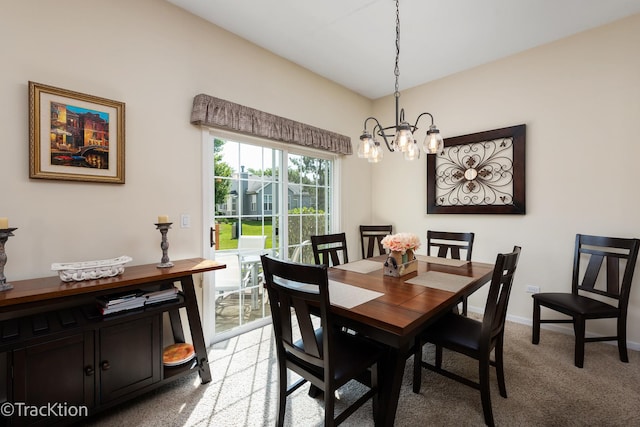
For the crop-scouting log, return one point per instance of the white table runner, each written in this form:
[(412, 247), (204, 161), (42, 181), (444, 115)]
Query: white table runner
[(349, 296), (443, 261), (363, 266), (443, 281)]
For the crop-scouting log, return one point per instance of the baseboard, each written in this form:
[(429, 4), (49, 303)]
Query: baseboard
[(631, 345)]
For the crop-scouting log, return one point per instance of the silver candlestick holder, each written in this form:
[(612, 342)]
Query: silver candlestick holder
[(5, 233), (164, 245)]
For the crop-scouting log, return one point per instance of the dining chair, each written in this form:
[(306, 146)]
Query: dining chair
[(371, 237), (250, 248), (324, 356), (330, 249), (299, 252), (473, 338), (230, 286), (449, 245), (597, 252)]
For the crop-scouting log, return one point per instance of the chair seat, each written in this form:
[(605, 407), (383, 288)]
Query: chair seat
[(576, 304), (456, 330), (352, 354)]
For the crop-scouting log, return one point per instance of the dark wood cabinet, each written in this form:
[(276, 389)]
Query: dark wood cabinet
[(59, 370), (55, 348), (129, 357)]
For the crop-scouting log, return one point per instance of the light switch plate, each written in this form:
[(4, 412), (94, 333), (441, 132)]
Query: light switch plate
[(185, 221)]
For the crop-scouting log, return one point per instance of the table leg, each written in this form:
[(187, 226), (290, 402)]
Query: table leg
[(195, 327), (176, 326), (390, 383)]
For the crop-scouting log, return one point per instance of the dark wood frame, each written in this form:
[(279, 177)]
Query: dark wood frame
[(40, 134), (518, 206)]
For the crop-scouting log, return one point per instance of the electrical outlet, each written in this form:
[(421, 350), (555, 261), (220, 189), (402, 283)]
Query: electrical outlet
[(533, 289)]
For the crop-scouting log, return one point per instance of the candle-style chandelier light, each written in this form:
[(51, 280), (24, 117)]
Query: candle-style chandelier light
[(402, 134)]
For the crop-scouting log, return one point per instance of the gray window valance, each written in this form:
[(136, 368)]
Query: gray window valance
[(216, 112)]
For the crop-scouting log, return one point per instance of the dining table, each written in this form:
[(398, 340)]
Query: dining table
[(393, 311)]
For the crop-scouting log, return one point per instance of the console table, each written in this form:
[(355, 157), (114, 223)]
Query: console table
[(56, 347)]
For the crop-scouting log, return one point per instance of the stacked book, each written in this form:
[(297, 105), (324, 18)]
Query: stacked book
[(114, 303), (164, 295)]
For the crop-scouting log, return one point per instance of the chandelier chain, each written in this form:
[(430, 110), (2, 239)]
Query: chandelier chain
[(401, 136), (397, 66)]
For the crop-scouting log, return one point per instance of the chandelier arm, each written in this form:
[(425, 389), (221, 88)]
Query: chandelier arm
[(418, 119), (367, 119), (383, 134), (380, 131)]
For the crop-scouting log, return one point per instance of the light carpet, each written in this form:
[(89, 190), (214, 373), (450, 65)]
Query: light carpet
[(544, 389)]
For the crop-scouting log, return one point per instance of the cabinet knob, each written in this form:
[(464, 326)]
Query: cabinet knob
[(88, 371), (105, 365)]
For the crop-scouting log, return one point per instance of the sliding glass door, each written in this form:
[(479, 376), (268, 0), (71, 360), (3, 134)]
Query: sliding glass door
[(265, 200)]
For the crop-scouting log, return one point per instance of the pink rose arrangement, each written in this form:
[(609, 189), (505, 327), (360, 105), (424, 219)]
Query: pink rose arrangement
[(401, 242)]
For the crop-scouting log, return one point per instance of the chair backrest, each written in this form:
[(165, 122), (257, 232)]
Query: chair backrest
[(251, 247), (251, 242), (327, 249), (594, 250), (299, 289), (450, 243), (297, 254), (371, 237), (495, 311)]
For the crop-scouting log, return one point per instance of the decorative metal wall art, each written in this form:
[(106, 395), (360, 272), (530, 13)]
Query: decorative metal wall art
[(479, 173)]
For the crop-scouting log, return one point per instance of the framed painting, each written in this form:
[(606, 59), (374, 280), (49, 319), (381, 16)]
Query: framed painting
[(480, 173), (74, 136)]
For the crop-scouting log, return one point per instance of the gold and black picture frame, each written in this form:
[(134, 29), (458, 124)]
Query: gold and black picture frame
[(479, 173), (75, 136)]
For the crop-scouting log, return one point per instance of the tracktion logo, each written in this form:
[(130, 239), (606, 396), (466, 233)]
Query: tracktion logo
[(56, 409)]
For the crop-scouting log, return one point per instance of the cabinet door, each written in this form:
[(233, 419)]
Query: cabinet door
[(129, 357), (4, 377), (56, 371)]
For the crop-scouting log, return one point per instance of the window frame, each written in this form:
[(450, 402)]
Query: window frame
[(207, 137), (267, 203)]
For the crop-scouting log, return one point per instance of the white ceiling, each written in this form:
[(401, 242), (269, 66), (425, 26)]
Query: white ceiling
[(352, 42)]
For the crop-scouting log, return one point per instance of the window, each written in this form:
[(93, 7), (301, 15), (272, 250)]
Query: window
[(281, 195), (268, 203)]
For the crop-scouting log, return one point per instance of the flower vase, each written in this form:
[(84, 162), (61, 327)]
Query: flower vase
[(405, 263), (397, 255), (401, 260), (408, 256)]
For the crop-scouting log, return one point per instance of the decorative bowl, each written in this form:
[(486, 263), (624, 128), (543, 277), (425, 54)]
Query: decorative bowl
[(89, 270)]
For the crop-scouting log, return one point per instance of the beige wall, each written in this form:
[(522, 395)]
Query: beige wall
[(156, 58), (580, 100)]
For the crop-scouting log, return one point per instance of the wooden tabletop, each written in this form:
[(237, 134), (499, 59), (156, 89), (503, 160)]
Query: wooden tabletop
[(405, 309), (47, 288)]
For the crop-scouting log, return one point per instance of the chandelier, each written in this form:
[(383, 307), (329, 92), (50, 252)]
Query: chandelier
[(401, 136)]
